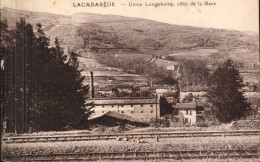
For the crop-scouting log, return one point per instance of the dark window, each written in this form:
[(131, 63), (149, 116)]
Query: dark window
[(142, 105), (190, 112), (186, 120), (112, 105), (132, 105), (151, 105), (122, 105), (142, 111), (187, 112), (132, 112), (151, 111), (176, 112), (122, 112), (103, 105)]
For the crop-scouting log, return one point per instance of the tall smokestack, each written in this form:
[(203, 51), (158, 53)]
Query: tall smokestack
[(91, 85)]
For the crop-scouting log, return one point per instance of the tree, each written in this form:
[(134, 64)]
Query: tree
[(226, 94), (42, 87), (193, 72), (4, 43)]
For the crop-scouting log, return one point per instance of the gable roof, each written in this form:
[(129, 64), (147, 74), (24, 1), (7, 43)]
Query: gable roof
[(116, 115), (184, 105)]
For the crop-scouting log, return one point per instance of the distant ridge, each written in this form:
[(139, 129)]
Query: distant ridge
[(107, 33)]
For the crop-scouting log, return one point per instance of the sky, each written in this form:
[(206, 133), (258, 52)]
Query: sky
[(242, 15)]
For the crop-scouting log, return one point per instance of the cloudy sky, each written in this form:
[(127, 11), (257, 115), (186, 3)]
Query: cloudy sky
[(226, 14)]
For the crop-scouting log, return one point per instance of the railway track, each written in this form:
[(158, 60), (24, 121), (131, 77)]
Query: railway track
[(206, 154), (157, 135)]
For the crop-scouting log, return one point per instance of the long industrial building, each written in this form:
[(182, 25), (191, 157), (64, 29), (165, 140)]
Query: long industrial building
[(145, 109)]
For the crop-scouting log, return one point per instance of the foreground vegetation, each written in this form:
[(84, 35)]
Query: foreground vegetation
[(41, 87), (198, 143)]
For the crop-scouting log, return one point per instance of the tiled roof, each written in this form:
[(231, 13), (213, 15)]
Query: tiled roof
[(116, 115), (115, 101), (184, 105)]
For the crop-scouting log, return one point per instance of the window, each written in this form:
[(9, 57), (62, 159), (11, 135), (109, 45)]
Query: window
[(122, 112), (132, 105), (151, 111), (122, 105), (175, 112), (142, 105), (187, 112), (112, 105), (132, 112), (190, 112), (103, 106), (142, 111), (151, 105), (186, 120)]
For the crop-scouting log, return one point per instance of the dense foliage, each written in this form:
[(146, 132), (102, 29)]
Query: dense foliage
[(193, 73), (158, 75), (41, 87), (226, 94)]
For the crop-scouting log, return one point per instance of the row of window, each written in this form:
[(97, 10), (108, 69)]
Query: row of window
[(132, 112), (142, 105), (188, 112)]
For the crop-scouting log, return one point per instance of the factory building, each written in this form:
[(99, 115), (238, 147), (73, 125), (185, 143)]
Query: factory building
[(141, 108), (145, 109)]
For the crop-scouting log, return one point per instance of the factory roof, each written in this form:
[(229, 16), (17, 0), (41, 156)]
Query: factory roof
[(128, 100), (184, 105)]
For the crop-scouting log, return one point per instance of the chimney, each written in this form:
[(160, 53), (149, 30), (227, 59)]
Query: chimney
[(91, 85)]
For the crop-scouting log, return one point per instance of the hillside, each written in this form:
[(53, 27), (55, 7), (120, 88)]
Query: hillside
[(122, 36)]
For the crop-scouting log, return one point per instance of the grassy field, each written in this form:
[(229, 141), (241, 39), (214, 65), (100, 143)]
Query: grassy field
[(170, 144), (201, 143), (236, 125)]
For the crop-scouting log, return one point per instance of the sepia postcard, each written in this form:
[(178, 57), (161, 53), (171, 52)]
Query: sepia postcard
[(130, 80)]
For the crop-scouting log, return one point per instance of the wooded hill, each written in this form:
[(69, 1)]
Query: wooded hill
[(120, 35)]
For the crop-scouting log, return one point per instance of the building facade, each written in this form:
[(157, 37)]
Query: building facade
[(185, 113), (141, 108), (146, 109)]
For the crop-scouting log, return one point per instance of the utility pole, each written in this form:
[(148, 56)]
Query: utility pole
[(25, 93), (156, 116)]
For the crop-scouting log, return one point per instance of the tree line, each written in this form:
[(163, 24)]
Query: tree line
[(41, 87), (158, 75)]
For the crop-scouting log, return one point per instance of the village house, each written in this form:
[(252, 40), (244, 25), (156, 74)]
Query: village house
[(184, 113)]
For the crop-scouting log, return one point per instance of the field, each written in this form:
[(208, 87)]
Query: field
[(196, 143), (106, 76), (195, 54), (208, 144)]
